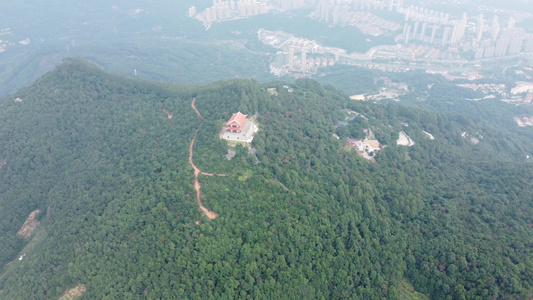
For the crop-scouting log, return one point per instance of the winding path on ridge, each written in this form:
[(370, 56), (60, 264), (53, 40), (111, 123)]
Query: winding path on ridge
[(210, 214)]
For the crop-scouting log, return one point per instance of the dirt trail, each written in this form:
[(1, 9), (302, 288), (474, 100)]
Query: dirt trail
[(279, 182), (210, 214)]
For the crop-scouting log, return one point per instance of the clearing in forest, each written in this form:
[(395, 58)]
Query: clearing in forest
[(404, 140), (29, 225), (245, 176), (407, 291), (430, 135), (73, 293)]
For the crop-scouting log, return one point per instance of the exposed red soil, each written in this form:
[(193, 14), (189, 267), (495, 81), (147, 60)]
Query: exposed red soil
[(169, 114), (210, 214)]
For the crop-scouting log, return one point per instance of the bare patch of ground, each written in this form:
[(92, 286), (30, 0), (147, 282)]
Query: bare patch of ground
[(404, 140), (407, 291), (253, 153), (360, 97), (385, 93), (430, 135), (474, 140), (231, 153), (38, 237), (169, 114), (29, 225), (73, 293), (273, 91), (246, 175)]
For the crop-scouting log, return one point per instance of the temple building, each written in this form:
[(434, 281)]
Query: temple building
[(236, 123), (239, 128)]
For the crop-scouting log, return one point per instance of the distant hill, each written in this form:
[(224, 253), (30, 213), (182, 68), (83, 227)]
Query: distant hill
[(98, 155)]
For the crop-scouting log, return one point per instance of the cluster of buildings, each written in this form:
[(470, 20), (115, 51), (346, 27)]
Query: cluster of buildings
[(225, 10), (520, 100), (428, 36), (284, 41), (367, 148), (524, 121), (387, 82), (523, 91), (425, 16), (483, 38), (371, 24), (391, 69), (366, 21), (424, 25), (297, 54), (5, 31), (522, 87), (288, 4), (521, 94), (486, 88), (429, 52), (307, 56), (486, 39), (341, 11), (471, 75), (474, 140), (510, 42), (385, 93), (410, 52), (3, 43), (520, 72)]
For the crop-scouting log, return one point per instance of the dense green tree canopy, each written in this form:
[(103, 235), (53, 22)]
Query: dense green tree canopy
[(98, 155)]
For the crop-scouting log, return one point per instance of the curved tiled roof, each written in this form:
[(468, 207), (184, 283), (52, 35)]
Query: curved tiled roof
[(237, 119)]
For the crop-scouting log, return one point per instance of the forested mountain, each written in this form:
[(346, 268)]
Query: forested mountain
[(108, 169)]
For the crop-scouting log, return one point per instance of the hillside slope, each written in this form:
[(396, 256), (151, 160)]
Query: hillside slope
[(99, 157)]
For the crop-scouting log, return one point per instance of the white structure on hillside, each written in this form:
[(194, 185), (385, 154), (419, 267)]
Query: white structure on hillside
[(240, 129)]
